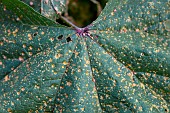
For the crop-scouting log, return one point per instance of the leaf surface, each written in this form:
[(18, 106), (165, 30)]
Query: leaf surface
[(119, 89), (35, 4), (53, 8), (48, 8), (21, 37), (29, 53), (77, 86), (119, 64), (135, 34)]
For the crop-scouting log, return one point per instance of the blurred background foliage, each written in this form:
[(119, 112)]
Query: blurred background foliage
[(83, 12), (79, 12)]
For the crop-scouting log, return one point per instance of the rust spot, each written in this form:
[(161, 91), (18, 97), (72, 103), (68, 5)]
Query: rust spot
[(6, 78), (21, 59), (0, 63)]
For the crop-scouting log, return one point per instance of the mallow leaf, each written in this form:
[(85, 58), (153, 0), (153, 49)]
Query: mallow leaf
[(53, 8), (28, 49), (135, 33), (119, 63), (21, 37), (35, 4)]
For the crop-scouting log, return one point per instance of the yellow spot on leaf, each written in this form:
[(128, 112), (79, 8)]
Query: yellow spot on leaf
[(18, 93), (87, 73), (1, 43), (21, 59), (65, 63), (140, 108), (12, 103), (42, 33), (29, 35), (55, 73), (137, 30), (112, 13), (6, 78), (50, 99), (76, 53), (53, 65), (22, 89), (50, 60), (79, 70), (45, 103), (69, 83), (58, 56), (30, 48), (133, 85), (36, 87), (82, 109), (78, 88), (52, 39), (9, 110), (104, 18), (24, 45)]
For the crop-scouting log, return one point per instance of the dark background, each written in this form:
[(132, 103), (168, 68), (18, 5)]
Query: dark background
[(83, 12)]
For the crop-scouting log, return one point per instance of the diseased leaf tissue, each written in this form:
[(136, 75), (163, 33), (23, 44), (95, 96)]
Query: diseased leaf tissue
[(119, 64)]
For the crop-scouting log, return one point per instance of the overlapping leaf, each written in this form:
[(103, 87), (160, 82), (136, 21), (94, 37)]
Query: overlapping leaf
[(52, 8), (48, 8), (121, 66), (35, 4)]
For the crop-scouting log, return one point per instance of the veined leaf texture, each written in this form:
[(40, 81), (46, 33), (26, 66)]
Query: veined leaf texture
[(120, 63)]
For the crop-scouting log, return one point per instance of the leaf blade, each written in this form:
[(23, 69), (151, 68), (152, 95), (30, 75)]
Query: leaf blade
[(77, 91), (29, 85), (116, 82)]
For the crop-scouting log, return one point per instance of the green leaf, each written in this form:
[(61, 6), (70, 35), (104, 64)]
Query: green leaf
[(53, 8), (135, 33), (136, 30), (22, 38), (35, 4), (28, 57), (120, 63), (158, 83), (77, 90), (118, 88), (24, 14), (34, 83)]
